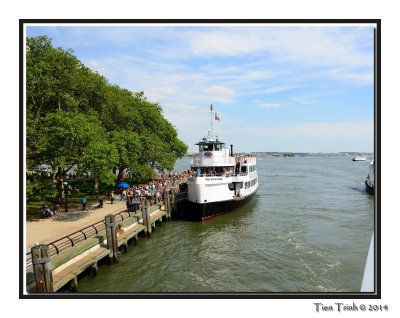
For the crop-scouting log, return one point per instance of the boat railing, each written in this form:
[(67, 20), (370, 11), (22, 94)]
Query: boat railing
[(226, 175), (247, 160), (70, 240)]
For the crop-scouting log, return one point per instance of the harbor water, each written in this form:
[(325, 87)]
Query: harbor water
[(307, 230)]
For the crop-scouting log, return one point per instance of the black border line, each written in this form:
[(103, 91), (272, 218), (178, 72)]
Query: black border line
[(377, 144), (20, 155), (280, 295)]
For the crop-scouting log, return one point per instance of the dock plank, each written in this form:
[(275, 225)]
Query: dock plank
[(129, 228)]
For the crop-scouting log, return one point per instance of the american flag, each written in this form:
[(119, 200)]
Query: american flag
[(216, 116)]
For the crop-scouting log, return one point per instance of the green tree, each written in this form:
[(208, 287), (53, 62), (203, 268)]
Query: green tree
[(77, 120), (100, 157), (129, 151), (64, 141), (56, 80)]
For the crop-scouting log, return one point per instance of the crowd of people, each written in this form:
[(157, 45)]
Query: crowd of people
[(154, 190), (47, 212)]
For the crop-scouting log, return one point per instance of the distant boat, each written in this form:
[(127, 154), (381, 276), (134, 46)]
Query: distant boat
[(370, 181), (357, 158)]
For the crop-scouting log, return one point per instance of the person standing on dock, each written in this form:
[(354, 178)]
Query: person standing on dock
[(83, 201), (112, 197), (100, 200)]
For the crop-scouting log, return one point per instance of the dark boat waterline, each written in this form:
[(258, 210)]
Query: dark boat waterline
[(369, 189), (205, 211)]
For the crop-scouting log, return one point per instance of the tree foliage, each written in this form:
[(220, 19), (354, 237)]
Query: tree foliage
[(77, 120)]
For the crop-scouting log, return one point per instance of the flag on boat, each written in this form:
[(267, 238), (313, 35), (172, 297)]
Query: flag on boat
[(216, 116)]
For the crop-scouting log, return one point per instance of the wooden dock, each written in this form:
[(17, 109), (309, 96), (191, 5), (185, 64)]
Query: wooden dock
[(66, 266)]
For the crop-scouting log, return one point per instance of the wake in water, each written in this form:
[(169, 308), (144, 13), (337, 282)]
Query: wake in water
[(360, 189)]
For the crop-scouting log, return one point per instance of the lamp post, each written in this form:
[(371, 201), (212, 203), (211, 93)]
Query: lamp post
[(66, 201)]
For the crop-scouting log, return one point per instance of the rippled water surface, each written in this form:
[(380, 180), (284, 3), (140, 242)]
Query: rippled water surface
[(307, 230)]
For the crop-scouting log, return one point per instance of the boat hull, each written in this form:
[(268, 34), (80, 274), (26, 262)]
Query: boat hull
[(205, 211), (369, 189)]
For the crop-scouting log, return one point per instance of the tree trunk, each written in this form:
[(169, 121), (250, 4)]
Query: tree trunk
[(96, 185), (54, 177), (61, 193), (120, 174)]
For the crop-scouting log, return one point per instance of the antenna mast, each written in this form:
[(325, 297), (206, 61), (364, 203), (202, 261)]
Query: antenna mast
[(211, 129)]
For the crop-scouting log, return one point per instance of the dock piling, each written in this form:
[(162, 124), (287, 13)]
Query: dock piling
[(42, 268), (95, 269), (172, 201), (74, 283), (112, 241), (167, 203), (146, 217)]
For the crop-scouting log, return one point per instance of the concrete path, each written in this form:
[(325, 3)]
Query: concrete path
[(45, 231)]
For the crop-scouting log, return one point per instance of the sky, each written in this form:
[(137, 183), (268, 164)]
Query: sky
[(286, 88)]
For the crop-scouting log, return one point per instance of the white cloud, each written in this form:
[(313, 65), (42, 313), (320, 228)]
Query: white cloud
[(159, 93), (307, 100), (180, 107), (268, 105), (327, 48), (305, 137), (256, 75), (218, 90), (315, 45), (219, 94), (95, 66), (352, 76), (335, 130), (277, 89)]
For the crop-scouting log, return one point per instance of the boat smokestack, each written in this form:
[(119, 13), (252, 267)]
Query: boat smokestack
[(231, 150)]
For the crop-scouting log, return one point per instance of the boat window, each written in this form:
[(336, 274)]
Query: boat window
[(219, 171), (244, 169), (218, 147), (208, 147)]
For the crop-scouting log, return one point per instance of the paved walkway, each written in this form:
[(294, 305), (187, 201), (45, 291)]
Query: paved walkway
[(45, 231)]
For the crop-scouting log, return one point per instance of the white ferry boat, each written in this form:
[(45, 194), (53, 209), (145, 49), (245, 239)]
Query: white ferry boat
[(370, 181), (357, 158), (223, 181)]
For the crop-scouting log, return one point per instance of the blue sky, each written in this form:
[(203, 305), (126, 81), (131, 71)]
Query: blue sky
[(276, 88)]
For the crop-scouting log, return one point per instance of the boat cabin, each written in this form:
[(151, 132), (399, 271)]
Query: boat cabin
[(210, 145), (215, 160)]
